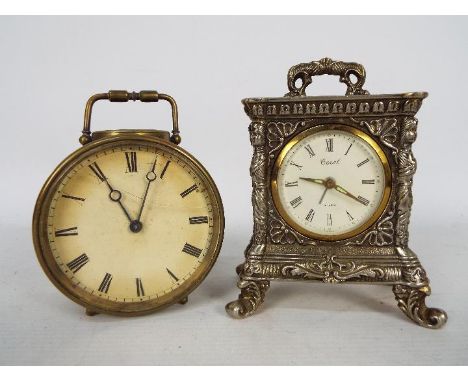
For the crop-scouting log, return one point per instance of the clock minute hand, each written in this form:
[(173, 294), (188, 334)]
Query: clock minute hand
[(150, 177), (347, 193)]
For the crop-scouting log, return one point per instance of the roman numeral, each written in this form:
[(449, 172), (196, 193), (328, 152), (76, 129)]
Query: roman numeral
[(295, 202), (310, 151), (347, 151), (97, 171), (198, 219), (164, 169), (188, 190), (73, 231), (295, 164), (73, 197), (78, 263), (139, 287), (172, 274), (349, 216), (363, 200), (310, 215), (291, 184), (329, 220), (105, 284), (368, 181), (363, 162), (131, 161), (329, 142), (191, 250)]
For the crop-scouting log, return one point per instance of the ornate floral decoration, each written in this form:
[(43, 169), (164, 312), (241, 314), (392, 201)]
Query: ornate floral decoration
[(406, 169), (381, 234), (278, 131), (258, 174), (384, 128), (280, 233), (331, 270)]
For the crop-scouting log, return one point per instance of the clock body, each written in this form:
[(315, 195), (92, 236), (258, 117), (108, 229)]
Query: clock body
[(332, 184), (128, 224)]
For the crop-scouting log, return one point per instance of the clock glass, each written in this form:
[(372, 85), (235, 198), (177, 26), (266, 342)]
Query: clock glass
[(331, 182)]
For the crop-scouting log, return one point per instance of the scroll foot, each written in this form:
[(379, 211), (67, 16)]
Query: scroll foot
[(412, 302), (251, 297)]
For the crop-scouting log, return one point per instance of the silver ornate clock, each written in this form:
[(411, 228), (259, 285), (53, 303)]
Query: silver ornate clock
[(332, 179)]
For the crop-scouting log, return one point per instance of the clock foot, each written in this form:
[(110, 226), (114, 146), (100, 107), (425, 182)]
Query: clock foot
[(412, 302), (251, 297), (183, 301), (90, 312)]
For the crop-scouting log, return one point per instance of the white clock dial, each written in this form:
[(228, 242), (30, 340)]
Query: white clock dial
[(331, 183)]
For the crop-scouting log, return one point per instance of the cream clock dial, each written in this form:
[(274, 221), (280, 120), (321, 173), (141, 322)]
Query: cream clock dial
[(130, 226), (331, 184)]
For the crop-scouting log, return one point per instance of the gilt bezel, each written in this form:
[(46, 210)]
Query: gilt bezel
[(315, 130)]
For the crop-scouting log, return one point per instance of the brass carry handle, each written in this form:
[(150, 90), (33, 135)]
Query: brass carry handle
[(306, 71), (124, 96)]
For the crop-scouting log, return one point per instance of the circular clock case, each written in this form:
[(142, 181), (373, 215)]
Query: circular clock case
[(331, 182), (128, 224)]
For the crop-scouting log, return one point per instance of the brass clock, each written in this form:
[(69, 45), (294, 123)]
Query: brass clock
[(332, 179), (130, 222)]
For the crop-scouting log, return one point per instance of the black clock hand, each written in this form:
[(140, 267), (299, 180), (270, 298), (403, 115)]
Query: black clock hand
[(150, 177), (115, 196)]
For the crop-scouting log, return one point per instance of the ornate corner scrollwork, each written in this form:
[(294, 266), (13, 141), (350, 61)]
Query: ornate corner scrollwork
[(412, 271), (278, 132), (412, 302), (330, 270), (381, 234), (280, 233), (416, 275), (261, 268), (252, 267), (385, 128)]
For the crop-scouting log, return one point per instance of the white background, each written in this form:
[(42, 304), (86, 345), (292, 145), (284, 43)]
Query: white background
[(50, 66)]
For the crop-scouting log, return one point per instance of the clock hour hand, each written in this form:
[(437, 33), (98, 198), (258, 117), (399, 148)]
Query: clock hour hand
[(116, 196), (327, 183), (347, 193), (312, 180)]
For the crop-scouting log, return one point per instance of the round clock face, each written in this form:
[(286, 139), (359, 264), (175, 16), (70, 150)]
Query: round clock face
[(131, 226), (331, 183)]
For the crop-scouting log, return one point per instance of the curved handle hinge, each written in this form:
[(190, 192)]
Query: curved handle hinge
[(124, 96), (306, 71)]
